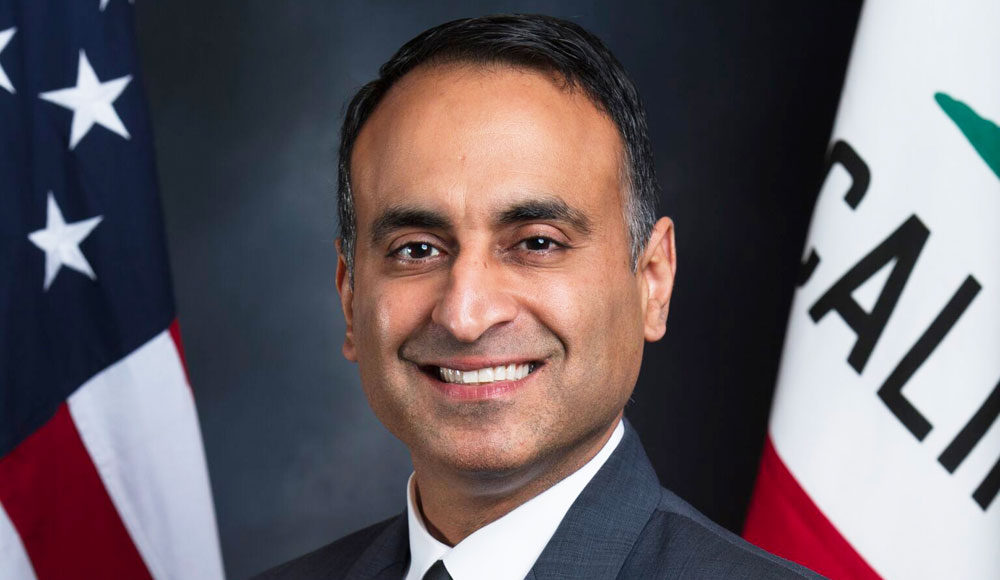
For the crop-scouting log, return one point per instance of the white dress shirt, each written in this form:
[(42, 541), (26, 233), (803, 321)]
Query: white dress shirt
[(507, 548)]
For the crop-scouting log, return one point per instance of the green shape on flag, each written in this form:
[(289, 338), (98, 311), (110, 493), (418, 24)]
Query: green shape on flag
[(982, 133)]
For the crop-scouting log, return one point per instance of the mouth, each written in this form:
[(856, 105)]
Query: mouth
[(478, 379), (482, 376)]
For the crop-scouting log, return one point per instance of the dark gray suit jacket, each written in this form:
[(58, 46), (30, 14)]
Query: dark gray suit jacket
[(623, 525)]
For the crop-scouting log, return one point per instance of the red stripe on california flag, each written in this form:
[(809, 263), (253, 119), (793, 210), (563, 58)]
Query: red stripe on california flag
[(175, 334), (57, 503), (784, 521)]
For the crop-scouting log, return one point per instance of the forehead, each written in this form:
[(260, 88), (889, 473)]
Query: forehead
[(467, 139)]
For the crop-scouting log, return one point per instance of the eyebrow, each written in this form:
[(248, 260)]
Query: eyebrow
[(549, 209), (553, 209), (395, 219)]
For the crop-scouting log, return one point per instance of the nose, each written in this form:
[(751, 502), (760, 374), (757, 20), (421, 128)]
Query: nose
[(475, 299)]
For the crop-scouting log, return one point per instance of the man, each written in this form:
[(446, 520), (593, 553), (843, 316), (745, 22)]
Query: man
[(499, 269)]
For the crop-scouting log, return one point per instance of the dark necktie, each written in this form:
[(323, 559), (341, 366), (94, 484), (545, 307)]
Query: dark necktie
[(437, 572)]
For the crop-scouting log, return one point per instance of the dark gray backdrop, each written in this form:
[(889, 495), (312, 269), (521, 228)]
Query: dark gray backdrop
[(246, 99)]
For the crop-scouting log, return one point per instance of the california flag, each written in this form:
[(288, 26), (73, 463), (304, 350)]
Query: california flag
[(883, 455)]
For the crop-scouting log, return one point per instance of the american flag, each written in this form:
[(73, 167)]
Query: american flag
[(102, 471)]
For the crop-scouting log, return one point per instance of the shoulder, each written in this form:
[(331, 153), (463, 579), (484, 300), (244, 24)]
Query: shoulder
[(680, 542), (333, 560)]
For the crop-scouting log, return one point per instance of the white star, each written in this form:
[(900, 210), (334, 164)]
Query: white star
[(104, 4), (61, 242), (5, 36), (90, 100)]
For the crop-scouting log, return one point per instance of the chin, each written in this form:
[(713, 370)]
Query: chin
[(484, 452)]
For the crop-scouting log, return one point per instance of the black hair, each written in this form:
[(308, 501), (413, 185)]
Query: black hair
[(543, 43)]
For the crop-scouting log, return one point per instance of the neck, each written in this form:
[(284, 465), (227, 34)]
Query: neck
[(454, 504)]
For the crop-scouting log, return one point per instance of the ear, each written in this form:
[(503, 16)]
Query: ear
[(657, 268), (346, 291)]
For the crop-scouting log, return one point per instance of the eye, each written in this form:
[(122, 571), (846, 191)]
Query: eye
[(539, 244), (416, 251)]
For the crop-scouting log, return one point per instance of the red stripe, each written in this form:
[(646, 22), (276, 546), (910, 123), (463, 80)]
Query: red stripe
[(784, 520), (175, 333), (58, 505)]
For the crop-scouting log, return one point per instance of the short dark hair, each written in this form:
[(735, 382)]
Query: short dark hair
[(542, 43)]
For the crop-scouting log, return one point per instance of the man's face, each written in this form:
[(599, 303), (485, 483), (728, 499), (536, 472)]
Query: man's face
[(490, 233)]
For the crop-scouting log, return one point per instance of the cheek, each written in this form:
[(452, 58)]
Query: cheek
[(597, 314), (386, 313)]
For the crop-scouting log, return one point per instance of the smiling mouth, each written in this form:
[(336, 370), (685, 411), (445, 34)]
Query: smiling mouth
[(511, 372)]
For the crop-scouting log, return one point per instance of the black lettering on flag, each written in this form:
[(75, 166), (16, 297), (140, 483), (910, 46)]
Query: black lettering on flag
[(891, 391), (861, 177), (807, 268), (987, 490), (972, 433), (904, 246)]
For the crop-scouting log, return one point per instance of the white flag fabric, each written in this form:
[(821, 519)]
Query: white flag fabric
[(883, 455)]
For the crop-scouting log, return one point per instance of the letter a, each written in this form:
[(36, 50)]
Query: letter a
[(904, 246)]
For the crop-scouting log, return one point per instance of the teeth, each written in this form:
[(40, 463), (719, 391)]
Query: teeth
[(487, 375)]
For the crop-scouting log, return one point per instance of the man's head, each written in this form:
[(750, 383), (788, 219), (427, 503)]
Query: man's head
[(496, 194)]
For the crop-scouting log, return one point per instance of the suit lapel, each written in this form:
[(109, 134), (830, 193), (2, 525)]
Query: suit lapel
[(386, 556), (592, 541), (604, 522)]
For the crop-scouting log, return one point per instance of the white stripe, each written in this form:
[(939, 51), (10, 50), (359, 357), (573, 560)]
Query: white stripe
[(14, 563), (138, 421)]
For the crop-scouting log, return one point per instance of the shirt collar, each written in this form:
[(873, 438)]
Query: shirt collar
[(508, 547)]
